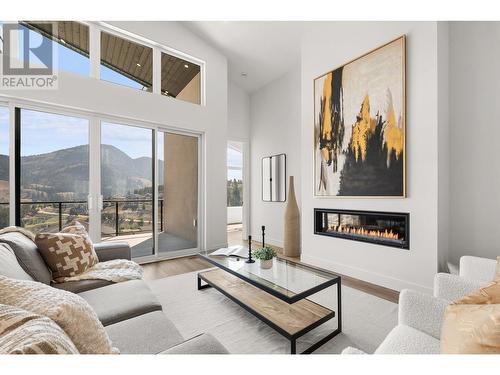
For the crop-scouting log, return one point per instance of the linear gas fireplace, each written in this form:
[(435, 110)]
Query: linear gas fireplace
[(382, 228)]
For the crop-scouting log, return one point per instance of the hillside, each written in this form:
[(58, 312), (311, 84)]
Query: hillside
[(64, 173)]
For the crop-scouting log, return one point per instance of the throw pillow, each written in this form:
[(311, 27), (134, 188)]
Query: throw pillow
[(23, 332), (68, 310), (9, 266), (21, 230), (27, 255), (66, 254), (471, 325), (76, 228)]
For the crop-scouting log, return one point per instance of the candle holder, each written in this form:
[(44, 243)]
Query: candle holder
[(249, 260)]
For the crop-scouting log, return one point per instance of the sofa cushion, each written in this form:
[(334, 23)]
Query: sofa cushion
[(471, 325), (150, 333), (202, 344), (121, 301), (81, 285), (28, 256), (23, 332), (69, 311), (112, 250), (407, 340), (9, 266), (66, 254)]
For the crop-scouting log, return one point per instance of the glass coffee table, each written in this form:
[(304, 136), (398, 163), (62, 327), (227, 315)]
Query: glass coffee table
[(278, 296)]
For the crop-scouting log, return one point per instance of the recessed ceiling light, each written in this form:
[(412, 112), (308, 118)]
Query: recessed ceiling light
[(244, 74), (139, 65), (186, 66)]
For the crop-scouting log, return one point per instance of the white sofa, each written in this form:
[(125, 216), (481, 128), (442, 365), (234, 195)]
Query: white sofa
[(420, 315)]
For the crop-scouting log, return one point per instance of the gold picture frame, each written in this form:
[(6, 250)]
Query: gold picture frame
[(360, 126)]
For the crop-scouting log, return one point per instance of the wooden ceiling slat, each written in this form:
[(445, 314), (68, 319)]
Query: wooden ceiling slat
[(123, 57), (118, 46)]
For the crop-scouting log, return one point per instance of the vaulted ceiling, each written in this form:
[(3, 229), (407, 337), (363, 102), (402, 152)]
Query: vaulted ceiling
[(263, 50)]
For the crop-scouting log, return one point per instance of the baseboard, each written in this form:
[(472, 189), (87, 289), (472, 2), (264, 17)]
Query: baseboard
[(368, 276)]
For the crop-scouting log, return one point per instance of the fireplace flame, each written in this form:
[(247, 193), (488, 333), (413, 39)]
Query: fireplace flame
[(365, 232)]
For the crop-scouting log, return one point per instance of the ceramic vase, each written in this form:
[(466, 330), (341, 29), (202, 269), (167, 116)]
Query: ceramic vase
[(266, 264), (291, 246)]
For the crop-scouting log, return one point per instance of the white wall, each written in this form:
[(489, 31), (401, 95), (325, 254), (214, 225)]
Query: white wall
[(329, 46), (275, 129), (238, 113), (443, 146), (106, 98), (474, 135)]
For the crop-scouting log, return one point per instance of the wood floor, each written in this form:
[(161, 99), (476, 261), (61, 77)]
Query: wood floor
[(179, 266)]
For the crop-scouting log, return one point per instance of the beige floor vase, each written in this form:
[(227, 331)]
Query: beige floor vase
[(291, 246)]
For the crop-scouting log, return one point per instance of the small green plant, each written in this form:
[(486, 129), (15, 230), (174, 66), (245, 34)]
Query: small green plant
[(264, 253)]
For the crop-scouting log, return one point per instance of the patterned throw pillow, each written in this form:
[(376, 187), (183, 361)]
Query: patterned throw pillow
[(66, 254), (23, 332), (68, 310), (471, 325)]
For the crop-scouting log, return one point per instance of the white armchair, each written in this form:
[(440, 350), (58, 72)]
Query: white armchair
[(419, 326), (476, 268), (474, 273), (420, 315)]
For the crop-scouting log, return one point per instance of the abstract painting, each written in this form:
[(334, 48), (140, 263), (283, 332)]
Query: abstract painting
[(359, 126)]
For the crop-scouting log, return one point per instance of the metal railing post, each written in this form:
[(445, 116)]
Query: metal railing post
[(161, 215), (60, 216), (117, 223)]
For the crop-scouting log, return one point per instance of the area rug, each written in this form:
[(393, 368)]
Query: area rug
[(366, 319)]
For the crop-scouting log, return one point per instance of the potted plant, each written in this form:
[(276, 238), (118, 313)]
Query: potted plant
[(265, 255)]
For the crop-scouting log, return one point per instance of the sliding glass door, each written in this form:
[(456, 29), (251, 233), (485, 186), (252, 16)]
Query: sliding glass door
[(127, 186), (53, 182), (177, 193), (142, 183)]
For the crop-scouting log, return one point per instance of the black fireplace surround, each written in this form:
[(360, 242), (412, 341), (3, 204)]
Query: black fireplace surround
[(381, 228)]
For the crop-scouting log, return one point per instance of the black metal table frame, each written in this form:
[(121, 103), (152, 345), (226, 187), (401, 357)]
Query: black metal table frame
[(293, 338)]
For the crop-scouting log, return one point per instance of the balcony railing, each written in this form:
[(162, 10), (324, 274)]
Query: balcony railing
[(107, 203)]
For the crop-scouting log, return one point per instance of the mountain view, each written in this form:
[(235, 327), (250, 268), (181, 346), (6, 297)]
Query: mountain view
[(62, 175)]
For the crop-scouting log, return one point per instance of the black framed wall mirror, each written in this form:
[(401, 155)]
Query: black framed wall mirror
[(274, 178)]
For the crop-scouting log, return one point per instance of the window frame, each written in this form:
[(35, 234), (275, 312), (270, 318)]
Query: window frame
[(95, 29)]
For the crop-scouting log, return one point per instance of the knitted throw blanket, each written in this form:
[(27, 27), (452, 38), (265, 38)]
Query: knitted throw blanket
[(116, 271)]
